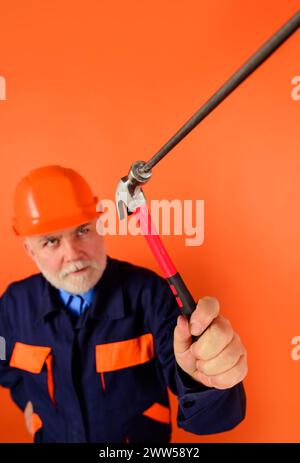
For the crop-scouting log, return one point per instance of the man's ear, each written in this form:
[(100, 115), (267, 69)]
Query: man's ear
[(28, 248)]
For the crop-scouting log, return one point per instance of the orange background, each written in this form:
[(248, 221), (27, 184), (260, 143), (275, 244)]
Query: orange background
[(96, 85)]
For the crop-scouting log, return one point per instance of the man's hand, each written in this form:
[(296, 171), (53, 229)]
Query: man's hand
[(218, 358), (32, 420), (28, 414)]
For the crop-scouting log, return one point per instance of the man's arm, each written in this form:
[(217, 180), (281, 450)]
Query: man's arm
[(203, 408)]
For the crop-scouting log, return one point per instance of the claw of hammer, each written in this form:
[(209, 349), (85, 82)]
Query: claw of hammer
[(129, 194)]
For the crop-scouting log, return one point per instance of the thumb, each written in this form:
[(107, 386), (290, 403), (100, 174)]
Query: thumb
[(182, 335)]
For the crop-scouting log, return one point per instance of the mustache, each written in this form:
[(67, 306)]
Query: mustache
[(78, 265)]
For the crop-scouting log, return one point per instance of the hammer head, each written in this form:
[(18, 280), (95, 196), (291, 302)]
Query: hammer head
[(129, 194)]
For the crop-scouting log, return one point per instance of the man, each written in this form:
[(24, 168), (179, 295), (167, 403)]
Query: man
[(93, 342)]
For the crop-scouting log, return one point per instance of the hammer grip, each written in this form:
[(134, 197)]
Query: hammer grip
[(182, 295)]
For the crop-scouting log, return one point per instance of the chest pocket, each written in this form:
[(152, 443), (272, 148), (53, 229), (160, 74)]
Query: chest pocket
[(32, 359), (125, 366), (123, 354)]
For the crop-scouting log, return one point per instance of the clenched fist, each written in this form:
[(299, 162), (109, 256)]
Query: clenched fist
[(218, 358)]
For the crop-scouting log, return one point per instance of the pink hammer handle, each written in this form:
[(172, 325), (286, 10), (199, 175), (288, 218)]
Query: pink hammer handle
[(183, 297), (148, 229)]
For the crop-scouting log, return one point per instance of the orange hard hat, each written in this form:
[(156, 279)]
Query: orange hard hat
[(52, 198)]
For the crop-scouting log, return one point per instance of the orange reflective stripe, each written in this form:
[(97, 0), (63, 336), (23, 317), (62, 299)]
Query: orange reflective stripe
[(50, 381), (158, 412), (123, 354), (36, 422), (29, 358)]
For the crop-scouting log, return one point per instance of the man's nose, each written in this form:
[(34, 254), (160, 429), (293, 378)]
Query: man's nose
[(71, 250)]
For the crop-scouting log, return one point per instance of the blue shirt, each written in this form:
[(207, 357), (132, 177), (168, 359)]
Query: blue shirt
[(76, 303)]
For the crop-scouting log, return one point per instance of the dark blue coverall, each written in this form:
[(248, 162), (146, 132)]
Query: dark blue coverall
[(103, 377)]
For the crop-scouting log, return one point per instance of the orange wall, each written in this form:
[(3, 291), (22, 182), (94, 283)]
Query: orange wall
[(97, 85)]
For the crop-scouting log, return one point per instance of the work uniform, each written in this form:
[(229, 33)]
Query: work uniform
[(103, 376)]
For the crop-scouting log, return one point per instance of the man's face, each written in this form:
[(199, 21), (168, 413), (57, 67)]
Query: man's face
[(73, 259)]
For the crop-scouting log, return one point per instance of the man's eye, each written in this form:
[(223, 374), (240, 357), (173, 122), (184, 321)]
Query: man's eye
[(83, 231), (51, 243)]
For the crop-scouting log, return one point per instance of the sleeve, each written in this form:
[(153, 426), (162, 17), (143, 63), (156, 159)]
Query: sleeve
[(10, 378), (201, 410)]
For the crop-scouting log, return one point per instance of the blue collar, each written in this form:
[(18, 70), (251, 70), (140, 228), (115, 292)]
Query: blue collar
[(108, 301), (88, 297)]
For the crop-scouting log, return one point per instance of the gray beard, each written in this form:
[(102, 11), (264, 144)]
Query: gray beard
[(82, 283)]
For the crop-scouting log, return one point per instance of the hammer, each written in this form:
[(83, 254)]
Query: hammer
[(130, 198)]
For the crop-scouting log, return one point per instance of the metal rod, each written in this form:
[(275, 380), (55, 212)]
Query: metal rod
[(236, 79)]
